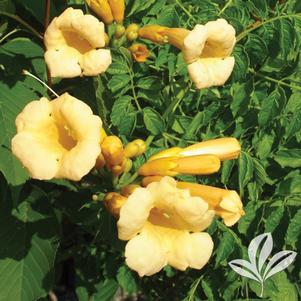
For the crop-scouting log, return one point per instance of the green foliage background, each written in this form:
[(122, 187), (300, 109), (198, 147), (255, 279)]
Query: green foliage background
[(50, 230)]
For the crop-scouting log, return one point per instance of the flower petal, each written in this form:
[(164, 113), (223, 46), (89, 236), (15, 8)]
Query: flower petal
[(145, 254), (40, 159), (95, 61), (134, 213), (187, 250), (194, 43), (221, 39), (63, 62), (207, 72), (77, 162)]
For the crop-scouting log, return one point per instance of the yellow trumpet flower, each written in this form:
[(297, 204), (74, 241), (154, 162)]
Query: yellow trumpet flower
[(139, 52), (117, 8), (223, 148), (172, 166), (163, 225), (57, 138), (102, 9)]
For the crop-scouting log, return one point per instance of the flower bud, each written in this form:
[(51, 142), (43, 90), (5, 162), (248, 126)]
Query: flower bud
[(120, 30), (102, 9), (113, 202), (135, 148), (132, 32), (154, 33), (172, 166), (118, 8), (112, 150), (128, 165), (139, 52), (223, 148), (129, 189), (147, 180)]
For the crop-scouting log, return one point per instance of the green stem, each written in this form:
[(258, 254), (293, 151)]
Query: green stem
[(257, 25), (25, 24), (9, 34), (185, 10), (276, 81), (225, 7)]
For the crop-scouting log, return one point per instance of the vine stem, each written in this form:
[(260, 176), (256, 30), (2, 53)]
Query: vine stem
[(25, 24), (46, 23), (259, 24), (279, 82), (225, 7), (185, 10)]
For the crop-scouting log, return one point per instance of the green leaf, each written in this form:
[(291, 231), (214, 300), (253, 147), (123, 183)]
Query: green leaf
[(245, 222), (288, 158), (169, 17), (149, 83), (126, 280), (29, 236), (272, 107), (245, 170), (153, 121), (242, 63), (224, 249), (293, 233), (123, 115), (241, 97), (273, 220), (118, 82)]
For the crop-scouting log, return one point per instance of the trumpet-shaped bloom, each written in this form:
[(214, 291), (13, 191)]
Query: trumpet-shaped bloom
[(58, 138), (139, 52), (73, 41), (163, 224), (172, 166), (207, 49), (223, 148)]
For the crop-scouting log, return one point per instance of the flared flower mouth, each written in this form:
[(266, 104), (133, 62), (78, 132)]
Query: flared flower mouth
[(73, 41), (207, 49), (166, 221), (57, 139)]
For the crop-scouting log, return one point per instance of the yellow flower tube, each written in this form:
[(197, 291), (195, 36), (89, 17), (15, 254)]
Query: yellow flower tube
[(117, 8), (226, 203), (113, 202), (196, 165), (102, 9), (154, 33), (224, 148)]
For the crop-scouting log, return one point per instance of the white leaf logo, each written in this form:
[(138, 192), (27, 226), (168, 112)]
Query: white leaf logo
[(258, 256)]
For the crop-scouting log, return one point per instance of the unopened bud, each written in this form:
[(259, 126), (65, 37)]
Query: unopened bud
[(120, 30), (112, 150), (118, 8), (135, 148), (102, 9), (129, 189), (113, 202)]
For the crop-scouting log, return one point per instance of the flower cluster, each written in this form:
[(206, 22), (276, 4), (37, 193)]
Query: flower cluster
[(162, 219)]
